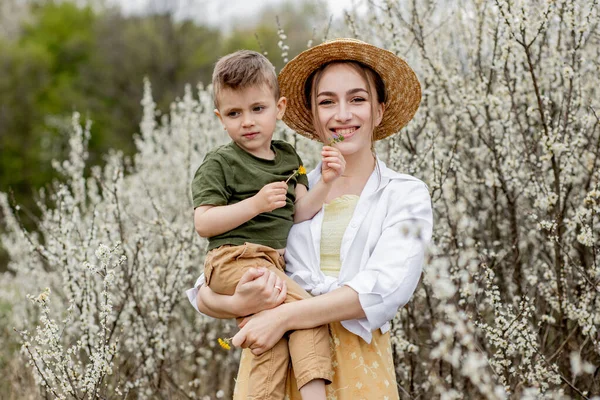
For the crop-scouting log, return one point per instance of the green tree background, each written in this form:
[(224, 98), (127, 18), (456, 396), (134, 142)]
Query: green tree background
[(58, 57)]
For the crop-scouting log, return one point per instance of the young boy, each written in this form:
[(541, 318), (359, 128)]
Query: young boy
[(245, 205)]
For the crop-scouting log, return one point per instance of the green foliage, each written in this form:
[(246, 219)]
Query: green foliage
[(24, 74), (299, 20), (39, 87), (70, 58)]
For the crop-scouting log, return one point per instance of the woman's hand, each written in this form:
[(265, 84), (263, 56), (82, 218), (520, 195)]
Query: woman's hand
[(261, 331), (258, 289), (333, 164)]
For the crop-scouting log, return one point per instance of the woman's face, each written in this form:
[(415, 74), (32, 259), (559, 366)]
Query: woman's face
[(344, 108)]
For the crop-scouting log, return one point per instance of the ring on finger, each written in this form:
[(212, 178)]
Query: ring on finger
[(278, 288)]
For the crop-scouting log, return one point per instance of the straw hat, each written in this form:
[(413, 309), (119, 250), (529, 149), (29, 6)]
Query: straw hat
[(401, 84)]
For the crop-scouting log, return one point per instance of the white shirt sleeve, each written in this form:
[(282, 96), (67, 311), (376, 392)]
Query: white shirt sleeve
[(394, 267), (193, 292)]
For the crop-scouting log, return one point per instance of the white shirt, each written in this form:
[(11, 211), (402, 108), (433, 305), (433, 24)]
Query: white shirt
[(382, 250)]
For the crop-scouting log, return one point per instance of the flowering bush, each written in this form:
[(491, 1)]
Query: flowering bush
[(508, 140), (116, 251)]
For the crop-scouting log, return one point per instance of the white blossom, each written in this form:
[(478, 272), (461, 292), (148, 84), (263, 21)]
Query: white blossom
[(506, 138)]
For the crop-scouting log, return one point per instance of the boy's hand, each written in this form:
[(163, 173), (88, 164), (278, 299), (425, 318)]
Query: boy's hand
[(271, 196), (333, 164)]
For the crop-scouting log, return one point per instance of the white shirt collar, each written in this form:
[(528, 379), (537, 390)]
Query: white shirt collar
[(373, 184)]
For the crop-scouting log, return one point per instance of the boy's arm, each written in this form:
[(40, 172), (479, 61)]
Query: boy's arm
[(309, 202), (258, 289), (215, 220)]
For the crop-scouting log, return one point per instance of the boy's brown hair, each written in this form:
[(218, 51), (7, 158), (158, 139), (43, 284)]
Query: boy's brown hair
[(242, 69)]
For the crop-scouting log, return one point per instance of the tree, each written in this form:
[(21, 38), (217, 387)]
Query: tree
[(69, 57), (299, 22)]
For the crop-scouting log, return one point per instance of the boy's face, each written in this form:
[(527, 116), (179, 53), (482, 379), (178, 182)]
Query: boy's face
[(249, 115)]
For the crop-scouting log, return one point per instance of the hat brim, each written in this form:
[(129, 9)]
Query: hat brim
[(401, 84)]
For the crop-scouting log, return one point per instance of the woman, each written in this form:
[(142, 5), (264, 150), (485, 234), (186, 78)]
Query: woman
[(361, 255)]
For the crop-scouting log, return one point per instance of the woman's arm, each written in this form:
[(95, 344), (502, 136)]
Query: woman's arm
[(264, 329), (374, 295), (338, 305), (216, 305), (257, 290), (308, 203)]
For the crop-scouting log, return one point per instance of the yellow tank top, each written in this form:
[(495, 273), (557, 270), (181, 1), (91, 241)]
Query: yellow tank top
[(336, 217)]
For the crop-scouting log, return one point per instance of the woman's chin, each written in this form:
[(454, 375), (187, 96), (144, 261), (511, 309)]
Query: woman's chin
[(347, 149)]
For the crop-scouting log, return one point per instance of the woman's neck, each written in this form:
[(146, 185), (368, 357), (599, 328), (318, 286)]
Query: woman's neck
[(359, 164), (359, 168)]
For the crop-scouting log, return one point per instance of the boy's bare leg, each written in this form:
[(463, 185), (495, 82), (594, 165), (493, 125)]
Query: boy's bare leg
[(313, 390)]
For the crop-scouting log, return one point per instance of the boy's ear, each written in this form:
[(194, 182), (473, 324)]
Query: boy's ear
[(218, 114), (281, 104)]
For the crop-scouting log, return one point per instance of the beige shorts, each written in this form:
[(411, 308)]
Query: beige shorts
[(307, 348)]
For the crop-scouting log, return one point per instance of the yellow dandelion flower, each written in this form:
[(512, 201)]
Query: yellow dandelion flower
[(300, 171), (224, 343)]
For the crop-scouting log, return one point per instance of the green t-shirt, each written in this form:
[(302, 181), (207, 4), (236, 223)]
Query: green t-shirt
[(229, 175)]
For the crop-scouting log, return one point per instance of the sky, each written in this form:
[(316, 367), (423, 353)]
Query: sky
[(222, 12)]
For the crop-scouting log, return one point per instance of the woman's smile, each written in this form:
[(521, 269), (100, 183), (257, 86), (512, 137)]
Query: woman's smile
[(346, 132)]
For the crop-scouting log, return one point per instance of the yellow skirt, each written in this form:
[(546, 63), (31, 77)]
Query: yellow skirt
[(360, 370)]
